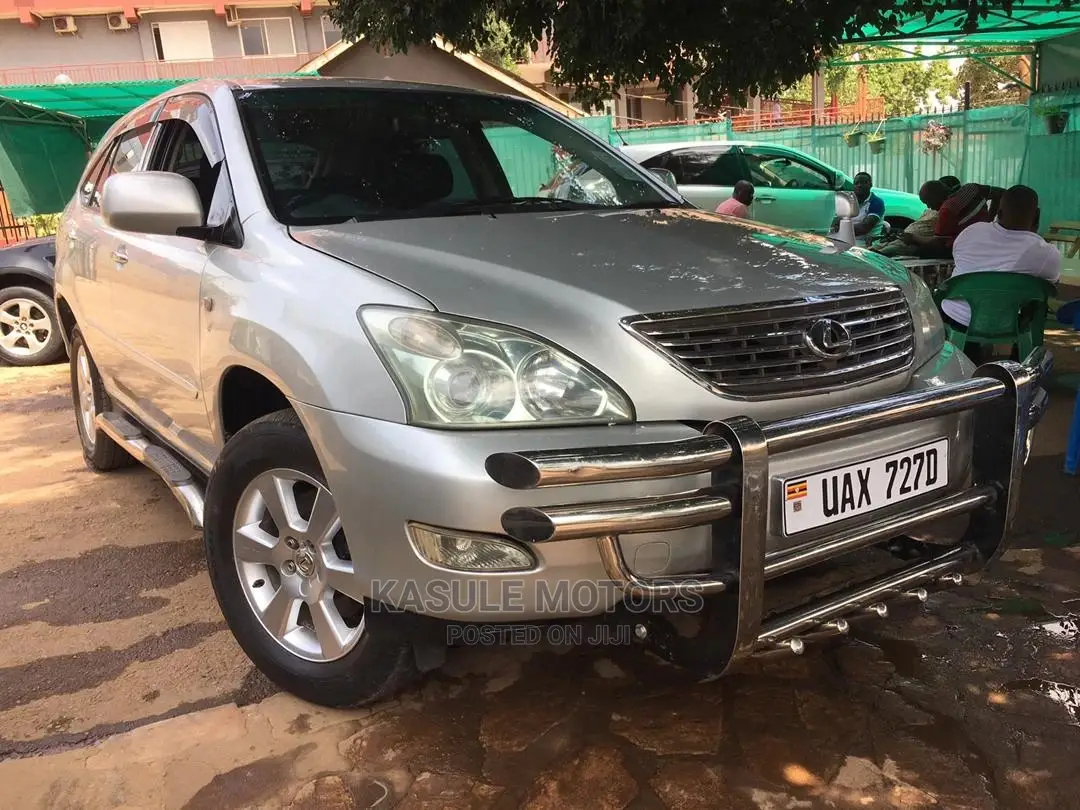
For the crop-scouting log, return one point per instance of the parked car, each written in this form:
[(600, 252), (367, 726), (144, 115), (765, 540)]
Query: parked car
[(29, 332), (400, 400), (793, 189)]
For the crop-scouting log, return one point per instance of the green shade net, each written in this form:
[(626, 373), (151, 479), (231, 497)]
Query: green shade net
[(1029, 23), (42, 155), (109, 100)]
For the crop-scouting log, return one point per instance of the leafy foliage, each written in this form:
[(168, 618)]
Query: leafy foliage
[(720, 48), (903, 85), (988, 86), (499, 45)]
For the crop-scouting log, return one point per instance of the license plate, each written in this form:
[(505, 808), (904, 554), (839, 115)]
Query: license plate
[(828, 497)]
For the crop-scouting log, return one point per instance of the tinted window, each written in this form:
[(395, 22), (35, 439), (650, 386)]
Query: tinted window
[(713, 166), (778, 170), (336, 153), (90, 178), (190, 146), (125, 157)]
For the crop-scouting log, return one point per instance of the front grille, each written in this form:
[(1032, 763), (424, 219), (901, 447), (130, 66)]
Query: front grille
[(761, 350)]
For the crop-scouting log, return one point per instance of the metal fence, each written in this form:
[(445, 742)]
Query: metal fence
[(1000, 146)]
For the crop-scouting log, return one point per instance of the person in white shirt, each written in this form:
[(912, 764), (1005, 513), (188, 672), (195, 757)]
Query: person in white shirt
[(1010, 244)]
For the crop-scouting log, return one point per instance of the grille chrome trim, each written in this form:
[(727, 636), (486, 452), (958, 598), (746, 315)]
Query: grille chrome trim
[(758, 351)]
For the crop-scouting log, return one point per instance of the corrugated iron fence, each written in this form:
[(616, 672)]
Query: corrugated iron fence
[(1000, 146)]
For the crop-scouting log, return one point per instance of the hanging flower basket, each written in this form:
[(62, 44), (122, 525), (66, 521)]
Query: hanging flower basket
[(876, 140), (1057, 122), (935, 137), (855, 137)]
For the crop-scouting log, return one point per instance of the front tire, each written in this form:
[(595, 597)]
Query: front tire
[(283, 575), (29, 329), (88, 395)]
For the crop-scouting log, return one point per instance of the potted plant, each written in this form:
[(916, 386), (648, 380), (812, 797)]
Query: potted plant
[(854, 138), (876, 140), (934, 137), (1055, 116)]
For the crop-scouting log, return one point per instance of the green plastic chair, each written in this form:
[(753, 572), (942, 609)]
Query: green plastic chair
[(1005, 308)]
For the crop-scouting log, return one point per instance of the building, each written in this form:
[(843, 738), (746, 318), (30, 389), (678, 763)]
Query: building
[(437, 63), (641, 105), (44, 41)]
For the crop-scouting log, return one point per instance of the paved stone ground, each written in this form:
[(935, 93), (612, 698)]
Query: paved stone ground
[(121, 688)]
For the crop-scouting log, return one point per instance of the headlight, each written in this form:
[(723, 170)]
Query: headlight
[(929, 328), (457, 372)]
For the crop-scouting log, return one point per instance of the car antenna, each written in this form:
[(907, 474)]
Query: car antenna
[(621, 138)]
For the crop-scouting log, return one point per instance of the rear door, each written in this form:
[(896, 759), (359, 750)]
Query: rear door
[(706, 173), (790, 191)]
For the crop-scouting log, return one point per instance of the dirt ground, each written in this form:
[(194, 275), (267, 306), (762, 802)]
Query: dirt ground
[(120, 686)]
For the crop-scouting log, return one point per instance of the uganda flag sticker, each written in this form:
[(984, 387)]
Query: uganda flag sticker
[(796, 490)]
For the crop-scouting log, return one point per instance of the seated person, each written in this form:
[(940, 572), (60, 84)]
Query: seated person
[(868, 221), (965, 205), (1011, 244), (912, 240), (738, 204)]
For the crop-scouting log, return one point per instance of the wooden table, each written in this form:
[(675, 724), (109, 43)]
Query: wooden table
[(1067, 234), (932, 271)]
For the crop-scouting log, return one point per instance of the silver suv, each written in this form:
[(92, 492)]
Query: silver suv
[(403, 393)]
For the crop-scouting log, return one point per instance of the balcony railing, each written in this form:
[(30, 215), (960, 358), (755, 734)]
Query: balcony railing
[(226, 67)]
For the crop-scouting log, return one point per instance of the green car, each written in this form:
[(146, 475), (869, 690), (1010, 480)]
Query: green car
[(792, 189)]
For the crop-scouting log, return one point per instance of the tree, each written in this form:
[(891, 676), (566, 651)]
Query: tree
[(720, 48), (499, 45), (904, 86), (989, 86)]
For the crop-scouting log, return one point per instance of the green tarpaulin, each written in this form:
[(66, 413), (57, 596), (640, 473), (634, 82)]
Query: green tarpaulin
[(1029, 23), (42, 154)]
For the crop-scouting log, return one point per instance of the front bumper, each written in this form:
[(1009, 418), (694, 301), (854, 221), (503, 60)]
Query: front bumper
[(1007, 400)]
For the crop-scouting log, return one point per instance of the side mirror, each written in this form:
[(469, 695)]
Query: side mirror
[(667, 177), (846, 208), (151, 202)]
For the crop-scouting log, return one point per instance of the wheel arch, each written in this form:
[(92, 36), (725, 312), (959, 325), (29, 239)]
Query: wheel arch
[(21, 277), (244, 394)]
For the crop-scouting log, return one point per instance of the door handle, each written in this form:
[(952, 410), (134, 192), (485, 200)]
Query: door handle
[(765, 199), (120, 255)]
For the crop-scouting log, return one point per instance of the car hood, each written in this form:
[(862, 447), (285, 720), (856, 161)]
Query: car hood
[(570, 278), (631, 261)]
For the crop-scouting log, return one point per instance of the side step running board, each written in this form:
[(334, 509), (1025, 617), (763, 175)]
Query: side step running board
[(176, 476)]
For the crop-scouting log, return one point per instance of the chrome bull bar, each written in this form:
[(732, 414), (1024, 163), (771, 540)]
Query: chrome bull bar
[(1007, 400)]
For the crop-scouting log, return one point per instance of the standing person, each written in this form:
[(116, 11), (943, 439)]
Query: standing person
[(1011, 244), (738, 204)]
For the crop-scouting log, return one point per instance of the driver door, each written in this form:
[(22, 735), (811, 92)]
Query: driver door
[(789, 191), (705, 173)]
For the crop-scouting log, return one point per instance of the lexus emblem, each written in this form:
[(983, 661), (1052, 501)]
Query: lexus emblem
[(828, 339)]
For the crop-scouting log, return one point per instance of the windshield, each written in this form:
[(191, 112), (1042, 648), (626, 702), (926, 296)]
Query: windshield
[(334, 154)]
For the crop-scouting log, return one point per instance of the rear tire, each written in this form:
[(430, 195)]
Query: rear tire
[(283, 576), (29, 329), (100, 452)]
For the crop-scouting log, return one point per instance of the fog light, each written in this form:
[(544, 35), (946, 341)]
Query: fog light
[(462, 551)]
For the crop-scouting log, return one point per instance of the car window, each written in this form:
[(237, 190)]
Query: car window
[(126, 156), (90, 177), (190, 145), (772, 169), (372, 153), (709, 166)]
